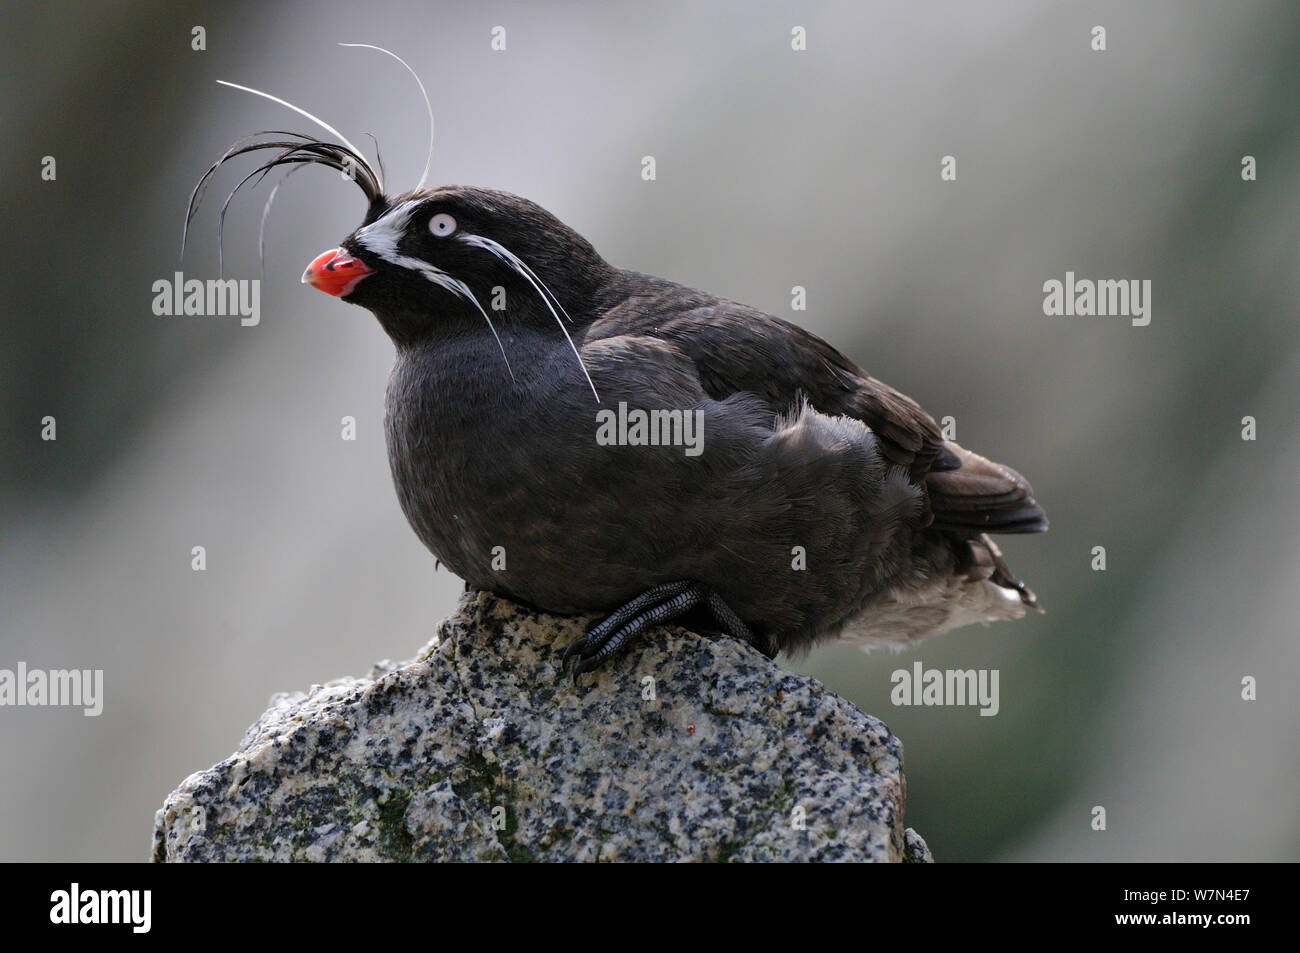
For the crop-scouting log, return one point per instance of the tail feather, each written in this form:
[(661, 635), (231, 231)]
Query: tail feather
[(981, 496), (983, 561)]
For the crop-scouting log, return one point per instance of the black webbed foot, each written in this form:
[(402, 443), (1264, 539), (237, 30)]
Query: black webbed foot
[(660, 604)]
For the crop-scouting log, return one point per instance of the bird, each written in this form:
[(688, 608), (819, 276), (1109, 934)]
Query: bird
[(537, 418)]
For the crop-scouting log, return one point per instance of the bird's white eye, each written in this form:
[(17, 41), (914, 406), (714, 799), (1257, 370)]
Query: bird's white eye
[(442, 225)]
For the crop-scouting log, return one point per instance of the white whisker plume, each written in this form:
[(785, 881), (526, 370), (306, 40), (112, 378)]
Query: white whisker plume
[(458, 287), (515, 262), (538, 278), (428, 107), (519, 265), (382, 237), (302, 112)]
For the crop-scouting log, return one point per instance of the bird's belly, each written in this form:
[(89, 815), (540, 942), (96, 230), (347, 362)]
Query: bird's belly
[(909, 614)]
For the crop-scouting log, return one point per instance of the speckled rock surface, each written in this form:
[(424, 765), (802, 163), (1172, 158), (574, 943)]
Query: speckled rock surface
[(688, 747)]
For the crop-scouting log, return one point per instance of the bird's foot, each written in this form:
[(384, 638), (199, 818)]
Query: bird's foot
[(655, 606)]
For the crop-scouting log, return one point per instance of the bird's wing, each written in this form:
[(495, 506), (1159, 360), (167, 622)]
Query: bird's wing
[(739, 349)]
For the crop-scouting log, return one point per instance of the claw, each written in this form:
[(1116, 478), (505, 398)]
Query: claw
[(569, 652), (655, 606)]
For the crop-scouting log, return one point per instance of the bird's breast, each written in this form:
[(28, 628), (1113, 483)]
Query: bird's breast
[(484, 464)]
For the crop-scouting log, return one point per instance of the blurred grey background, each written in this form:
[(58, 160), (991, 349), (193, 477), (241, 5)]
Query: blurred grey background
[(775, 169)]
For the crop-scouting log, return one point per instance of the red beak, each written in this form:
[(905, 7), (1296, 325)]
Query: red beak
[(335, 272)]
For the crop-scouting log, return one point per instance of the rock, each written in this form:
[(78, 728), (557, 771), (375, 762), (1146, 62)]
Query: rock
[(688, 747)]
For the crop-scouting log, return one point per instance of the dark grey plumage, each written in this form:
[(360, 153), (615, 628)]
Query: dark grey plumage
[(824, 504), (801, 447)]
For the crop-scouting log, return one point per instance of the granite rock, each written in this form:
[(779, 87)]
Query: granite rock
[(688, 747)]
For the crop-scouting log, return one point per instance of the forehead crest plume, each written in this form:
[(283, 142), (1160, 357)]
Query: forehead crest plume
[(296, 150), (385, 223)]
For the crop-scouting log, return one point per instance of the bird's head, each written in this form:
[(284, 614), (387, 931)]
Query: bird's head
[(432, 262), (431, 259), (436, 261)]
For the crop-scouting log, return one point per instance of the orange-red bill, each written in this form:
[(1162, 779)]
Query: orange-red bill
[(335, 272)]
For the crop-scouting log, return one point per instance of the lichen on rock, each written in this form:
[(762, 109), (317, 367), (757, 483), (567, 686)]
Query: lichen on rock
[(688, 747)]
